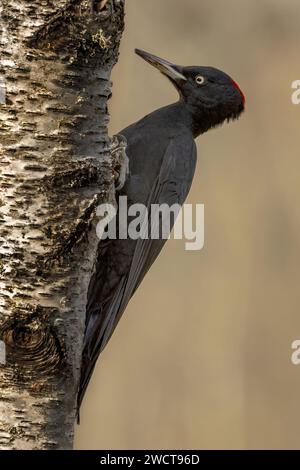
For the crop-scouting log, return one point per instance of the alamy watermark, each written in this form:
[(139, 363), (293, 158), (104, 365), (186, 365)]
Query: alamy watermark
[(296, 94), (295, 357), (137, 221)]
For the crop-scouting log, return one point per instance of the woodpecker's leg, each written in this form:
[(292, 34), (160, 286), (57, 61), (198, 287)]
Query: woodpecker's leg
[(121, 161)]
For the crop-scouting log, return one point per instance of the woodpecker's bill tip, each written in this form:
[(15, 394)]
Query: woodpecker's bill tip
[(167, 68)]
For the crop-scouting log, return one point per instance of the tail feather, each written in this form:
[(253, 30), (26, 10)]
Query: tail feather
[(100, 327)]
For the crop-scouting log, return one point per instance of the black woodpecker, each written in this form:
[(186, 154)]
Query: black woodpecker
[(162, 156)]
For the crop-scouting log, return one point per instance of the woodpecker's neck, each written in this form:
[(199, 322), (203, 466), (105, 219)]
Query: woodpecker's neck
[(197, 119), (180, 115)]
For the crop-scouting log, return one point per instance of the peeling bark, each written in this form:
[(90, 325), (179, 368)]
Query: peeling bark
[(55, 168)]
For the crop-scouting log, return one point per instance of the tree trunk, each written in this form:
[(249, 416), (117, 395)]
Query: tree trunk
[(56, 60)]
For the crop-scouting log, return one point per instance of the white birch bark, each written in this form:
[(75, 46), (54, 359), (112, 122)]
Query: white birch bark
[(55, 168)]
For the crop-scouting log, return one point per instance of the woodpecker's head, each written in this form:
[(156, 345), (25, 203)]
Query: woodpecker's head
[(210, 95)]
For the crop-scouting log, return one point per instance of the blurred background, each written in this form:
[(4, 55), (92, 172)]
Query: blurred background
[(202, 357)]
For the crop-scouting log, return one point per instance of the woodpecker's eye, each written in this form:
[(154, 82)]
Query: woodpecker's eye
[(199, 80)]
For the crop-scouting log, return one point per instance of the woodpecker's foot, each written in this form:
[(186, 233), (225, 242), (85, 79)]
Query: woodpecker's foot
[(120, 160), (101, 5)]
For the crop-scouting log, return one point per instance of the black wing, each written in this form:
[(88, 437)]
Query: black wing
[(122, 264)]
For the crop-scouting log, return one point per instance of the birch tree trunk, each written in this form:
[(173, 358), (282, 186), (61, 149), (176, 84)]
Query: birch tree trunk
[(55, 168)]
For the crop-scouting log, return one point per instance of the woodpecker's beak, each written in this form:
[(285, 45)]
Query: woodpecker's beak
[(170, 70)]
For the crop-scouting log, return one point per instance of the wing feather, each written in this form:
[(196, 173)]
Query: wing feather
[(171, 186)]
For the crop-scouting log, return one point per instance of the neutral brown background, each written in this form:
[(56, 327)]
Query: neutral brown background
[(201, 359)]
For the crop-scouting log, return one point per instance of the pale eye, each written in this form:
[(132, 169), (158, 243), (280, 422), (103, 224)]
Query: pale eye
[(199, 80)]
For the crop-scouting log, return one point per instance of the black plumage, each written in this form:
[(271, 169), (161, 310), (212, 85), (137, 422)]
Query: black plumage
[(162, 157)]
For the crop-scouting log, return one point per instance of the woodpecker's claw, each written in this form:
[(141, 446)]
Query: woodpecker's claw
[(102, 4), (121, 161)]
